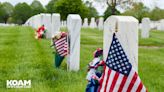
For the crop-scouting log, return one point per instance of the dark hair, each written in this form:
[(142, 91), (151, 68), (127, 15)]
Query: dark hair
[(98, 53)]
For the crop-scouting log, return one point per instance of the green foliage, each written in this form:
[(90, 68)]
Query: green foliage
[(156, 14), (65, 7), (50, 6), (138, 11), (108, 12), (1, 13), (37, 7), (92, 12), (22, 12), (113, 4), (10, 20), (6, 10)]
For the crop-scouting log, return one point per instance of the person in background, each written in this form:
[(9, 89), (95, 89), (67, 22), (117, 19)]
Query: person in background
[(60, 43), (40, 33), (95, 70)]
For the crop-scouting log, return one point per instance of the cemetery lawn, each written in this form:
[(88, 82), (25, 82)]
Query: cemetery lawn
[(24, 58), (156, 39)]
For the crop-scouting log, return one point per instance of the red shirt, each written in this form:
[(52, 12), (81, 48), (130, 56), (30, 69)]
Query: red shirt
[(42, 28)]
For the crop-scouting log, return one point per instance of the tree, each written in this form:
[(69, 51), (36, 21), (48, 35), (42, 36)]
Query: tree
[(113, 4), (65, 7), (156, 14), (37, 7), (108, 12), (22, 12), (92, 11), (50, 6), (6, 10), (1, 13), (138, 11), (10, 20)]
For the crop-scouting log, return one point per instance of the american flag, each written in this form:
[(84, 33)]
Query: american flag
[(119, 75), (62, 46)]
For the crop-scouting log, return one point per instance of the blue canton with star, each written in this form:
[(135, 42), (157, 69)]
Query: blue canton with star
[(117, 59)]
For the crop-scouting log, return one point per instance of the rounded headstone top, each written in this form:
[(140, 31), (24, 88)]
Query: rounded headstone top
[(124, 18), (145, 19), (55, 14), (74, 16)]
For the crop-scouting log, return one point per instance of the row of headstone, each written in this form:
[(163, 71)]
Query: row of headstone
[(127, 33), (161, 25), (51, 23), (152, 25), (94, 23), (148, 25)]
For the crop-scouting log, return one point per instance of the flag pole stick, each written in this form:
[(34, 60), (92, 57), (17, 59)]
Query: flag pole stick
[(68, 52), (116, 27)]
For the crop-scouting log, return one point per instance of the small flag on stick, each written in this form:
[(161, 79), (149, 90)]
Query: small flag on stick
[(62, 46)]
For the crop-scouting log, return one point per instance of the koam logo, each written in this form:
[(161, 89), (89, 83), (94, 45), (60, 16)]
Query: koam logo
[(18, 83)]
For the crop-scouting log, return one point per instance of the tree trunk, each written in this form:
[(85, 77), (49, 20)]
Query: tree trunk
[(114, 7)]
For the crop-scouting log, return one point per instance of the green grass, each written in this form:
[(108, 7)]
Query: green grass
[(156, 39), (23, 57), (151, 68)]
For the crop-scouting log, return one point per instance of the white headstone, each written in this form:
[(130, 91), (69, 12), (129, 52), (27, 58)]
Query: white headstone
[(153, 24), (93, 23), (145, 28), (47, 24), (55, 23), (31, 22), (27, 23), (101, 23), (161, 25), (61, 23), (37, 21), (127, 35), (85, 24), (40, 20), (74, 23), (64, 23)]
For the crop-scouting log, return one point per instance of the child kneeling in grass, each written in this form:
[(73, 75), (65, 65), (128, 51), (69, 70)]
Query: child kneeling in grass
[(95, 70), (40, 33)]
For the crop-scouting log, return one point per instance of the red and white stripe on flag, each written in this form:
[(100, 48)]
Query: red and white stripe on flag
[(62, 46), (112, 81)]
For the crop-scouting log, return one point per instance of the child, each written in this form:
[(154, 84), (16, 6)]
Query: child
[(95, 71), (40, 33)]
